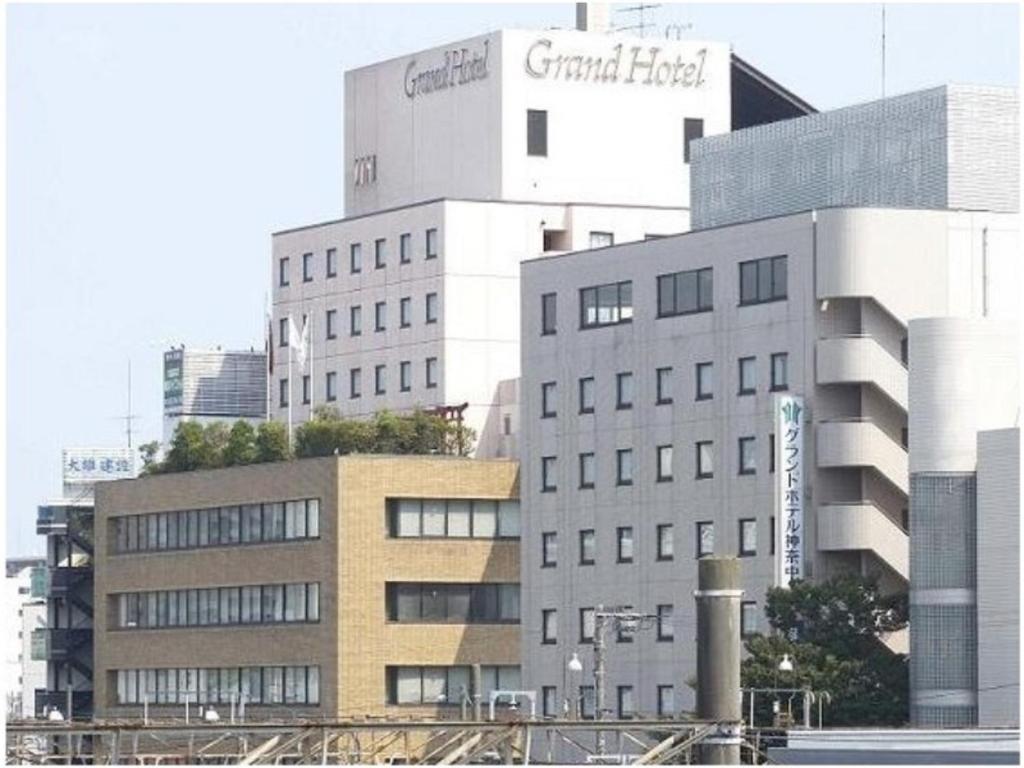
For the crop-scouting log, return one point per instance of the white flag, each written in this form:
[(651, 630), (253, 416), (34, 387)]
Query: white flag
[(299, 342)]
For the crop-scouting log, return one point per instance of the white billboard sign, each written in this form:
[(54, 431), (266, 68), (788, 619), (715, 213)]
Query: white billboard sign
[(789, 491), (90, 465)]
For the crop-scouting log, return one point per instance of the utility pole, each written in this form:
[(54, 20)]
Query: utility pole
[(718, 657)]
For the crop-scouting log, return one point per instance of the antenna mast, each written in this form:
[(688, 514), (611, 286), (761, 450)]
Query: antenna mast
[(883, 50), (640, 10), (129, 417)]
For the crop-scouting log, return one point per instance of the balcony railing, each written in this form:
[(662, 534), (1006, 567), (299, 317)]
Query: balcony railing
[(862, 443), (862, 526)]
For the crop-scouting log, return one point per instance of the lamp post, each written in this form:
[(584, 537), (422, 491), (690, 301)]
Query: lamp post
[(786, 665), (575, 667)]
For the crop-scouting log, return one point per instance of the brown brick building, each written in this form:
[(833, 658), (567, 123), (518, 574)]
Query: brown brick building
[(318, 588)]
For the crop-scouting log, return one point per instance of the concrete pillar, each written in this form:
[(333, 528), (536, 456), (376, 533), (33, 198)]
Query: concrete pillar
[(718, 657)]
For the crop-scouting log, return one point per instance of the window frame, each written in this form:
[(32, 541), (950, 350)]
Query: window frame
[(746, 363), (659, 532), (660, 476), (405, 248), (621, 287), (331, 263), (587, 534), (283, 269), (701, 526), (742, 551), (584, 383), (307, 267), (741, 443), (548, 467), (783, 358), (622, 454), (380, 255), (664, 636), (549, 549), (768, 264), (708, 366), (620, 403), (662, 382), (624, 535), (536, 133), (704, 303), (549, 633), (548, 392), (584, 457), (702, 473), (355, 258)]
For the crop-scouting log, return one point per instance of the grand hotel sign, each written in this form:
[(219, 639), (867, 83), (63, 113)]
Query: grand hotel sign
[(458, 67), (789, 498)]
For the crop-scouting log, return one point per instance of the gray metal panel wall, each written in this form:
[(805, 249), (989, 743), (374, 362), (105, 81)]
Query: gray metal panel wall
[(984, 148)]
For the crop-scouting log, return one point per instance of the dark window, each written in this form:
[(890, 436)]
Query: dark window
[(405, 248), (624, 539), (747, 375), (624, 391), (693, 128), (763, 280), (355, 258), (547, 473), (586, 470), (666, 700), (587, 546), (705, 385), (305, 389), (282, 272), (905, 437), (405, 376), (431, 243), (748, 618), (904, 351), (332, 316), (549, 626), (664, 463), (548, 549), (283, 391), (627, 706), (624, 466), (431, 308), (549, 701), (587, 394), (586, 625), (355, 320), (780, 371), (748, 537), (601, 239), (537, 133), (380, 316), (332, 262), (705, 539), (771, 453), (283, 334), (771, 535), (683, 293), (747, 455), (666, 631), (705, 460), (663, 381), (548, 313), (587, 699), (431, 373), (355, 383), (404, 312), (379, 253), (547, 400), (380, 379), (610, 304), (307, 267), (666, 542), (332, 386)]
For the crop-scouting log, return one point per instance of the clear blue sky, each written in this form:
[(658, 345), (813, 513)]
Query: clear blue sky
[(152, 150)]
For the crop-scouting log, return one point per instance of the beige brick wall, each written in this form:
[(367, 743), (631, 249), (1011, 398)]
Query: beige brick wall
[(353, 642)]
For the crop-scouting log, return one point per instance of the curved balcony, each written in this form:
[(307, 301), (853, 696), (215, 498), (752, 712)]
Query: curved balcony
[(860, 525), (861, 360), (861, 443)]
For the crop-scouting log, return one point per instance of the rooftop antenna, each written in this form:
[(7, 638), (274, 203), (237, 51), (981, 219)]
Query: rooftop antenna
[(883, 50), (129, 417), (640, 10)]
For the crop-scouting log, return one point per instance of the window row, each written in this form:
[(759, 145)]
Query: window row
[(453, 518), (355, 257), (625, 542), (218, 526), (664, 464), (255, 604), (663, 626), (665, 380), (355, 382), (678, 293), (421, 603), (223, 685), (447, 685), (431, 313)]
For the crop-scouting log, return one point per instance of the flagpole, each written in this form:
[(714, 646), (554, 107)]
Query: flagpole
[(312, 378), (290, 398)]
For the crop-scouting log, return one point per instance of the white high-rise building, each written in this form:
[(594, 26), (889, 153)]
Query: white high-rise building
[(22, 673), (466, 159), (655, 375)]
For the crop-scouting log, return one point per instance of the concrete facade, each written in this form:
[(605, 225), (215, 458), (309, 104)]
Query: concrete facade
[(22, 672), (955, 147), (842, 326), (351, 557)]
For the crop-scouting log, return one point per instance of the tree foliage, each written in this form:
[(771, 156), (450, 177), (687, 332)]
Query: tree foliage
[(241, 447), (832, 632)]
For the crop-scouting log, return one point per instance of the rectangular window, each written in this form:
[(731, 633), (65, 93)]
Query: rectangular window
[(666, 700), (624, 466), (586, 625), (748, 537), (666, 630), (780, 371), (748, 618), (664, 463), (587, 700), (771, 535), (537, 133), (549, 626), (355, 383), (355, 258), (307, 267), (705, 464), (405, 312), (355, 320), (380, 316), (771, 453), (547, 400), (666, 542), (747, 375), (431, 243), (282, 272), (548, 313), (380, 379), (332, 262), (763, 280), (379, 253), (283, 393), (331, 386), (305, 389), (332, 318), (547, 474), (548, 549), (587, 394), (431, 372), (431, 307), (685, 293), (587, 546), (705, 539), (693, 128), (601, 239), (705, 383), (405, 248), (624, 540), (623, 391), (549, 701), (587, 463), (663, 382), (282, 332), (747, 456), (405, 376), (609, 304), (627, 706)]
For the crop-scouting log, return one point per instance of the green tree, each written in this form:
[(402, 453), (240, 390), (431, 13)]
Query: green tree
[(148, 452), (216, 436), (189, 449), (241, 447), (832, 632), (272, 442)]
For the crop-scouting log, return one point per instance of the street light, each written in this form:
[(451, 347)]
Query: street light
[(575, 666), (786, 665)]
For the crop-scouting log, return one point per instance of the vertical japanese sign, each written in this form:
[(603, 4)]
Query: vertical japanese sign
[(789, 498)]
